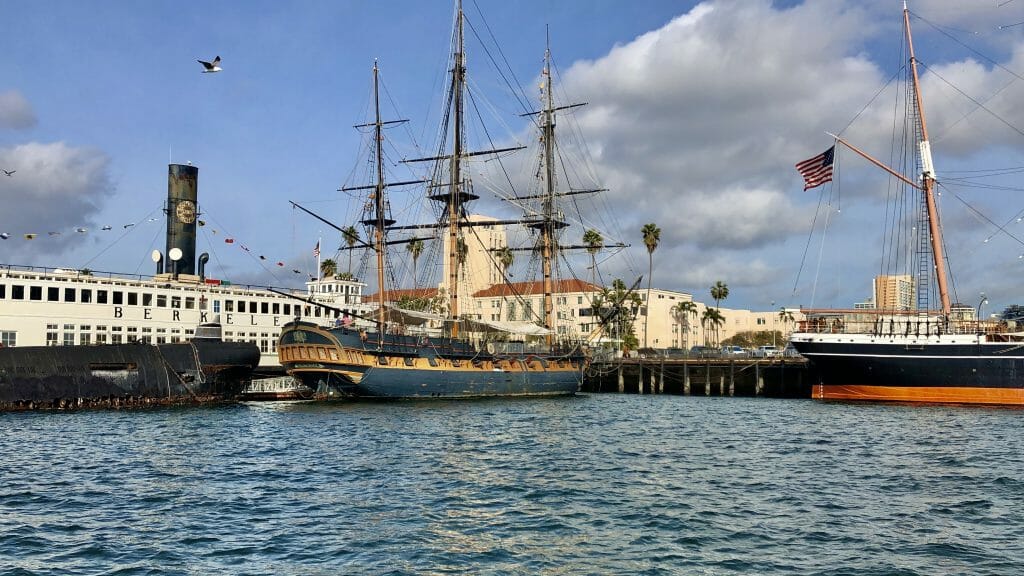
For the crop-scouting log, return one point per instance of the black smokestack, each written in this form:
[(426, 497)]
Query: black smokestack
[(181, 210)]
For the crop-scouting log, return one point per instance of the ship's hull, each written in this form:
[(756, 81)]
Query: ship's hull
[(941, 369), (124, 374), (339, 361)]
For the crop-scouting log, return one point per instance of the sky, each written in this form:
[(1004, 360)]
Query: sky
[(696, 114)]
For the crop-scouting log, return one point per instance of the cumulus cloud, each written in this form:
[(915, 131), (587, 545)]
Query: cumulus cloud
[(56, 188), (16, 111)]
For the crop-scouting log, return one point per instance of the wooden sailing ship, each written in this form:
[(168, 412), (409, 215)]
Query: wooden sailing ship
[(445, 352)]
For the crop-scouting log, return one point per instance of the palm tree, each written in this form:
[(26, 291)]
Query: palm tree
[(328, 268), (683, 311), (593, 240), (720, 291), (711, 320), (415, 248), (785, 316), (351, 237), (505, 259), (652, 234)]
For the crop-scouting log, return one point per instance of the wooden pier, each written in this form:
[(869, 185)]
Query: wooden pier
[(769, 377)]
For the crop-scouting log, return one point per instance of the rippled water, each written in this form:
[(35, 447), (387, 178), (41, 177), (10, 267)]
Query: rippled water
[(599, 484)]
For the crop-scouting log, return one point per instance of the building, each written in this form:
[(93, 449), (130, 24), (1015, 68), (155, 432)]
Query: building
[(894, 292)]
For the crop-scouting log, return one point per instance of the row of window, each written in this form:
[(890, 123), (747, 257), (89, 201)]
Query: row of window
[(148, 300)]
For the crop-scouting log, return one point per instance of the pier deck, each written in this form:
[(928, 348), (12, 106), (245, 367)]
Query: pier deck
[(780, 377)]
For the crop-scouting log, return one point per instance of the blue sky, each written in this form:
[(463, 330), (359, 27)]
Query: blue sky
[(697, 113)]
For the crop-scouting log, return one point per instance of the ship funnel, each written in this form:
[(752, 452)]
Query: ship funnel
[(181, 210), (203, 259)]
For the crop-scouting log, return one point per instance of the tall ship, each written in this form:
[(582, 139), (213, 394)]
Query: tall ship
[(424, 342), (62, 306), (933, 352)]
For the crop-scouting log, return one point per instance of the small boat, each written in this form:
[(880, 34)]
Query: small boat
[(921, 350), (427, 345), (275, 389)]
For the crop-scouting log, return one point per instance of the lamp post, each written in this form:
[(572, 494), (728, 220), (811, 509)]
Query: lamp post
[(772, 308)]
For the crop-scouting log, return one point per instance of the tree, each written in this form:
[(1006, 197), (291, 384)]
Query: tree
[(616, 308), (652, 234), (505, 259), (785, 316), (461, 252), (351, 237), (682, 312), (415, 248), (328, 268), (720, 291), (594, 242), (711, 320)]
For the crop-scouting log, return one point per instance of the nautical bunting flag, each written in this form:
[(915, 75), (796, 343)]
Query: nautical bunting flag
[(818, 170)]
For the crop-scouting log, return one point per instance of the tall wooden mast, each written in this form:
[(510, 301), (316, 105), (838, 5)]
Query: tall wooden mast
[(928, 177), (378, 233), (455, 186)]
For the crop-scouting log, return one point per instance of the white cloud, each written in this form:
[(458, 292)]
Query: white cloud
[(15, 111), (56, 188)]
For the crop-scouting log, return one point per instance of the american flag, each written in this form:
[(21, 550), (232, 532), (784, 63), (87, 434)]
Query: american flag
[(818, 170), (316, 250)]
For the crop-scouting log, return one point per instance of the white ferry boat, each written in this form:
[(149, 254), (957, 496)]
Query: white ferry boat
[(57, 307)]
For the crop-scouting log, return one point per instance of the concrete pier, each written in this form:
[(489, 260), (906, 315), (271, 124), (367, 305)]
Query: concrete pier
[(768, 377)]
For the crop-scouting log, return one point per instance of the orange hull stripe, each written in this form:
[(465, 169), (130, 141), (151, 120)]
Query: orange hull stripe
[(941, 395)]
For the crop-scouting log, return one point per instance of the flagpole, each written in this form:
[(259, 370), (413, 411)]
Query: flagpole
[(318, 260)]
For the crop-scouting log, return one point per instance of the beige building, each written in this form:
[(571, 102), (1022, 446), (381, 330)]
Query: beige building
[(894, 292)]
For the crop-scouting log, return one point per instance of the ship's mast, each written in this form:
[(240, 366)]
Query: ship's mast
[(378, 233), (928, 177), (455, 186), (547, 232)]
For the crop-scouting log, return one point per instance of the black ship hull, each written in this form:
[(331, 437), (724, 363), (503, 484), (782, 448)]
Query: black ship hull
[(933, 371), (45, 377)]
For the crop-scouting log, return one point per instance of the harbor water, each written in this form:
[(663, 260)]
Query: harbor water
[(596, 484)]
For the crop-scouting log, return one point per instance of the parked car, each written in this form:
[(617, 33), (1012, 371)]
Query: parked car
[(733, 351), (767, 352), (704, 352)]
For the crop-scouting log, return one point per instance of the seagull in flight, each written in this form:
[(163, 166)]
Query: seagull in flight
[(210, 67), (9, 172)]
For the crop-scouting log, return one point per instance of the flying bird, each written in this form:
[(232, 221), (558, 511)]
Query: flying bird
[(210, 67), (107, 227), (10, 172)]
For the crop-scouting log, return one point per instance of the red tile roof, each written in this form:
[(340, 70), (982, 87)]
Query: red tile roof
[(536, 287)]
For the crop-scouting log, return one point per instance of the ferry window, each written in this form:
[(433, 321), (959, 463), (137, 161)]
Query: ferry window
[(17, 292), (51, 338), (101, 338), (147, 299), (579, 299), (264, 308), (84, 338), (101, 328), (229, 306), (216, 306), (101, 296), (277, 308), (161, 339), (3, 291), (317, 311), (264, 346), (241, 306), (133, 299), (8, 339), (35, 292), (69, 294), (115, 338), (85, 328), (86, 296), (161, 300), (287, 309), (175, 301), (118, 297), (69, 338), (190, 303)]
